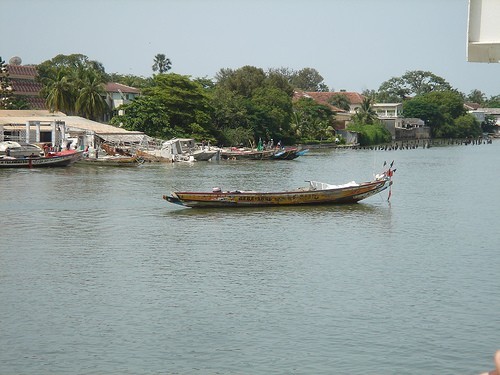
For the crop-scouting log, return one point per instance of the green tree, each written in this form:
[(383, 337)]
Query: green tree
[(476, 96), (372, 94), (161, 63), (365, 114), (249, 101), (371, 134), (308, 79), (229, 110), (185, 99), (312, 121), (340, 101), (66, 77), (438, 109), (131, 80), (237, 136), (242, 81), (466, 126), (451, 103), (59, 92), (20, 102), (423, 109), (90, 102), (412, 83), (71, 63), (6, 95), (147, 114), (175, 106), (493, 102), (271, 111)]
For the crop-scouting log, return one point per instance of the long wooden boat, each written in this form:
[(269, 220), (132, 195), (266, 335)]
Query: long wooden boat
[(56, 159), (246, 154), (289, 153), (114, 161), (314, 194)]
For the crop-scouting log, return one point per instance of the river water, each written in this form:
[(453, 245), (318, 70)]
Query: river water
[(100, 275)]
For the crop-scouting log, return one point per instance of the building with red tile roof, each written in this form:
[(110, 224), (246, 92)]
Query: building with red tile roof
[(25, 86), (342, 117), (354, 98)]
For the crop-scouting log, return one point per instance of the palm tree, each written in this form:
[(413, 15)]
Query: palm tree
[(162, 64), (365, 114), (59, 93), (90, 102)]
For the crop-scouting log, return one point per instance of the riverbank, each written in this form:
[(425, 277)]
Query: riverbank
[(407, 144)]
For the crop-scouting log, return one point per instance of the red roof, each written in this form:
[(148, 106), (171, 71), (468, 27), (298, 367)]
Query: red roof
[(21, 87), (117, 87), (26, 71), (353, 97), (322, 97), (35, 102), (319, 97)]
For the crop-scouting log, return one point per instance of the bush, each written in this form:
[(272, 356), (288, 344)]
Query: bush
[(371, 134)]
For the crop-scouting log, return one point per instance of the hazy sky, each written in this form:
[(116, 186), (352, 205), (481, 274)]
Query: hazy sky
[(354, 44)]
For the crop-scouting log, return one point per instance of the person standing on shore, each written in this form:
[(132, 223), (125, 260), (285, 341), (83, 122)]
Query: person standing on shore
[(496, 359)]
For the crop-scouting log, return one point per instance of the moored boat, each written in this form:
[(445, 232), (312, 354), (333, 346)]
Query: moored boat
[(53, 159), (246, 154), (204, 154), (314, 194), (19, 149), (289, 153), (114, 160)]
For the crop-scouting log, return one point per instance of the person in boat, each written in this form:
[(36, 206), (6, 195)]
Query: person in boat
[(7, 151), (45, 149), (496, 360)]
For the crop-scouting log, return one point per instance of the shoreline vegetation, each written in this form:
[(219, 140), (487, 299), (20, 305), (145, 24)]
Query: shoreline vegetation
[(241, 106)]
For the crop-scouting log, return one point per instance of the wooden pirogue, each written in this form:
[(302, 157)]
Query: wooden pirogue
[(314, 194), (54, 159)]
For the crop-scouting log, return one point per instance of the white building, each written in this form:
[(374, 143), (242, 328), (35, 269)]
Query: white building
[(118, 94), (388, 110)]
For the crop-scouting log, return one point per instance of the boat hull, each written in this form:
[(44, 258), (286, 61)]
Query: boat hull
[(114, 161), (247, 155), (204, 155), (59, 160), (343, 195)]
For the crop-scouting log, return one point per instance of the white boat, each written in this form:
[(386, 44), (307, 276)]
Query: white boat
[(19, 150), (204, 154), (186, 150)]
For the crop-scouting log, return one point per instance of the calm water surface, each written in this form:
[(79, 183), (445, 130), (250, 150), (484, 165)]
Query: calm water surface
[(99, 275)]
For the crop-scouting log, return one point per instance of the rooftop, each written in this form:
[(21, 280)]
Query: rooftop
[(118, 87)]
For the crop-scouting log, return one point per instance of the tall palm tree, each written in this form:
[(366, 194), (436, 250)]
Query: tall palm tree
[(365, 114), (162, 64), (59, 93), (90, 102)]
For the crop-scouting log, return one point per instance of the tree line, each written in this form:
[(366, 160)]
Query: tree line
[(239, 106)]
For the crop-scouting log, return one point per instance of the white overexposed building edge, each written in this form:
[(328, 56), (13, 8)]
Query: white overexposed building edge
[(483, 33)]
